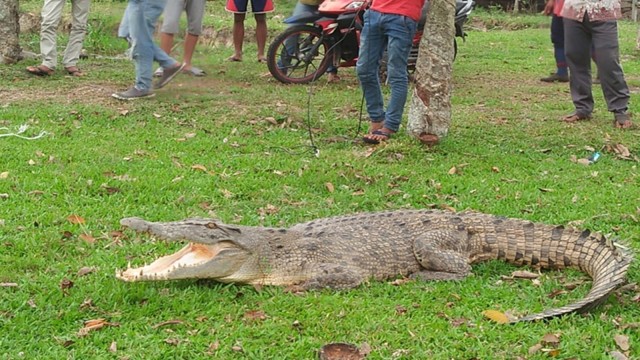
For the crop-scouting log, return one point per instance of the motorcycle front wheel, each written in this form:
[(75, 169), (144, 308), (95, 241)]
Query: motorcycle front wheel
[(299, 55)]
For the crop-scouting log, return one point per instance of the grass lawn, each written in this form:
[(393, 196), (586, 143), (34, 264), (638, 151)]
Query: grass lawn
[(236, 145)]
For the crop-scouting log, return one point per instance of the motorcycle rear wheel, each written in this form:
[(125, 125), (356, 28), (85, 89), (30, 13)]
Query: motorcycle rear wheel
[(306, 61)]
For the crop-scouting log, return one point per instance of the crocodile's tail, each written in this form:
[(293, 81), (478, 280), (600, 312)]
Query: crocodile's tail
[(609, 270), (556, 247)]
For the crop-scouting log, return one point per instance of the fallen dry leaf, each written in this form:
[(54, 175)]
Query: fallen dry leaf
[(535, 348), (622, 341), (169, 322), (113, 347), (93, 325), (86, 270), (617, 355), (255, 315), (523, 274), (171, 341), (199, 167), (4, 175), (8, 284), (65, 285), (550, 339), (496, 316), (88, 238), (330, 187), (75, 219)]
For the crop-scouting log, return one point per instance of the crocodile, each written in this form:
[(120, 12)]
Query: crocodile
[(345, 251)]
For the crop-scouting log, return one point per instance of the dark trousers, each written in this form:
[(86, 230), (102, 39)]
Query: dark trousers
[(603, 36)]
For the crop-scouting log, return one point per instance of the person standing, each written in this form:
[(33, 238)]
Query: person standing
[(391, 25), (590, 23), (142, 18), (51, 15), (553, 8), (239, 10), (171, 26)]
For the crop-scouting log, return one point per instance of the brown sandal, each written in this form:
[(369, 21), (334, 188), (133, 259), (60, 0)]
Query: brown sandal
[(575, 117), (39, 70), (74, 71)]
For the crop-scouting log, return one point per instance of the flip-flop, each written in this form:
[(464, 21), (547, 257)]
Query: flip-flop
[(234, 59), (262, 60), (195, 71), (39, 70), (385, 136)]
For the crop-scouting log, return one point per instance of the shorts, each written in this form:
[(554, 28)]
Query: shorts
[(257, 6), (173, 10)]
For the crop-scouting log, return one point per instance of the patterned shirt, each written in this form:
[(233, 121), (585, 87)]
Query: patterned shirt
[(596, 10)]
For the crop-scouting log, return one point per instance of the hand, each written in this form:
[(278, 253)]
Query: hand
[(548, 7)]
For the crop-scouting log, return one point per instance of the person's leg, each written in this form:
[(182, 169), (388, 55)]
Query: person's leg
[(557, 38), (80, 16), (144, 15), (51, 14), (238, 36), (400, 31), (170, 23), (578, 50), (372, 45), (614, 86), (261, 35), (291, 43), (123, 28), (195, 11)]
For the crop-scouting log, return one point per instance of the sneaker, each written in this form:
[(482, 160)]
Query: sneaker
[(168, 75), (158, 72), (133, 93), (555, 78)]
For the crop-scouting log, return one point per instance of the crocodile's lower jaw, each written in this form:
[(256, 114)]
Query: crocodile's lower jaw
[(189, 256)]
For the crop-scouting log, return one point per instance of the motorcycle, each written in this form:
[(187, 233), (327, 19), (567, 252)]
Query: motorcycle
[(331, 36)]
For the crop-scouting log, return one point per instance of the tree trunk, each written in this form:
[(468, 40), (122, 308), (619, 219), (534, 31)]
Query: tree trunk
[(9, 32), (430, 109)]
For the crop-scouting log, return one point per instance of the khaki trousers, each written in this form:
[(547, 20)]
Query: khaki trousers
[(51, 15)]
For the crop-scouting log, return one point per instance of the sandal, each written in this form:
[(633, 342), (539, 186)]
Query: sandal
[(233, 58), (376, 137), (74, 71), (40, 70), (575, 117)]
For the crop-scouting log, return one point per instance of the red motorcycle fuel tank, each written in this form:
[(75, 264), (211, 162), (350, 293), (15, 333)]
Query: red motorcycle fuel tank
[(336, 7)]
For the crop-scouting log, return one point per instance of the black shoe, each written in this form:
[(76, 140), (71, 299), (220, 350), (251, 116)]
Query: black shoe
[(555, 78)]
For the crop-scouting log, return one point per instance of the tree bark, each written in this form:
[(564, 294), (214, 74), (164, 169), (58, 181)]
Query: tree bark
[(429, 114), (9, 32)]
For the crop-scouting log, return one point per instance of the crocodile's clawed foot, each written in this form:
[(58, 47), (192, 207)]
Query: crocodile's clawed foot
[(204, 231)]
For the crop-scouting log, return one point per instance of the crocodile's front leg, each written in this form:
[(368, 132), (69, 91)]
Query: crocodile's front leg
[(443, 255), (333, 276)]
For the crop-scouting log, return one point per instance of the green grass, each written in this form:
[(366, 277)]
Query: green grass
[(104, 160)]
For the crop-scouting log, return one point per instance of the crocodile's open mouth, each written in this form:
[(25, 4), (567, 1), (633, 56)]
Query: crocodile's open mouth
[(191, 256)]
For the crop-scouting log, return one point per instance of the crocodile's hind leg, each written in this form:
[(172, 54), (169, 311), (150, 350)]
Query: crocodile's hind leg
[(443, 255), (333, 276)]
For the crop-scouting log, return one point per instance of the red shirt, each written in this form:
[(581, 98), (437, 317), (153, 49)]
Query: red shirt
[(409, 8)]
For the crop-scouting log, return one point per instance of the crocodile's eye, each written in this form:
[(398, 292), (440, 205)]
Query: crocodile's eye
[(211, 225)]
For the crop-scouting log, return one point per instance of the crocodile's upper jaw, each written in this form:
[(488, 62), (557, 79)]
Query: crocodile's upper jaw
[(195, 260)]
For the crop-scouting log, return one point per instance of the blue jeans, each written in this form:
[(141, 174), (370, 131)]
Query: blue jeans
[(142, 21), (394, 33)]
